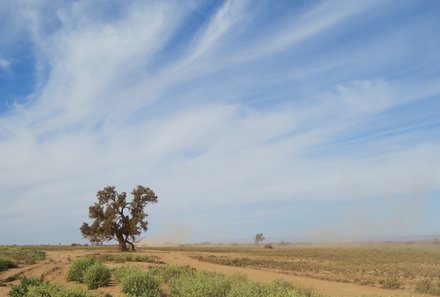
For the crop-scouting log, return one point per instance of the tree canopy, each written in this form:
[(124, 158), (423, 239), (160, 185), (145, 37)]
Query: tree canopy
[(259, 238), (115, 218)]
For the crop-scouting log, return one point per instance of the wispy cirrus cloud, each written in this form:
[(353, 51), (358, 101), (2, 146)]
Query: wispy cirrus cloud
[(223, 105)]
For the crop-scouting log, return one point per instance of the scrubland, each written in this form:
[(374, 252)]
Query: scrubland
[(66, 271)]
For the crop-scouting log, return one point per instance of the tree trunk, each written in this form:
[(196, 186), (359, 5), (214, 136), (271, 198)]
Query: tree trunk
[(122, 244), (132, 245)]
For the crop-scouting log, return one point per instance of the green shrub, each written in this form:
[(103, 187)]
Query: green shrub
[(141, 284), (97, 275), (166, 274), (201, 284), (6, 263), (44, 289), (33, 287), (21, 289), (78, 268), (124, 271)]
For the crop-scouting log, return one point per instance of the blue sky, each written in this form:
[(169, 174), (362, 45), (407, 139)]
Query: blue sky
[(298, 119)]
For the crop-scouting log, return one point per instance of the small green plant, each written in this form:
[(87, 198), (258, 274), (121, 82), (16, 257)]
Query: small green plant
[(97, 275), (78, 268), (141, 284), (6, 263)]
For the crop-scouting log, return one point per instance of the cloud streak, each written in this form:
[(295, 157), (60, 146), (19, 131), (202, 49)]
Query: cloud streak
[(224, 106)]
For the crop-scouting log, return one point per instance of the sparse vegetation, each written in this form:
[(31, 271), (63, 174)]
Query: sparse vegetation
[(130, 257), (426, 286), (21, 255), (390, 266), (391, 283)]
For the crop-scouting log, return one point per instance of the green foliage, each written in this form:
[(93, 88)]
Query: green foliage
[(21, 289), (33, 287), (426, 286), (6, 263), (166, 274), (78, 268), (124, 271), (184, 281), (97, 275), (201, 284), (141, 284)]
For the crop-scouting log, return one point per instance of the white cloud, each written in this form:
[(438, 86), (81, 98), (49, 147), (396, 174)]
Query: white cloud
[(109, 114), (4, 63)]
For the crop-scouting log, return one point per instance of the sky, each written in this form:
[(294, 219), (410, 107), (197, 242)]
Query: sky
[(315, 120)]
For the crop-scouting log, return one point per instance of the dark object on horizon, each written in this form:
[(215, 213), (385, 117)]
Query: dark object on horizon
[(259, 237)]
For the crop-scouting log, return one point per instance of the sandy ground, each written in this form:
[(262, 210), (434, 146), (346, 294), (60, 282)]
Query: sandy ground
[(55, 267)]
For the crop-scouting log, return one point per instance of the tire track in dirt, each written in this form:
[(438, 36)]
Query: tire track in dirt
[(12, 274)]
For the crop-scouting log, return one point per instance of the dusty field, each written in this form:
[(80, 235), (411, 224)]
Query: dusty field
[(422, 261)]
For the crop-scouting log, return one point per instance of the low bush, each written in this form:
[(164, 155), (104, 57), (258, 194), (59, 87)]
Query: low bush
[(78, 268), (22, 288), (33, 287), (166, 274), (141, 284), (186, 282), (201, 284), (97, 275), (6, 263), (124, 271)]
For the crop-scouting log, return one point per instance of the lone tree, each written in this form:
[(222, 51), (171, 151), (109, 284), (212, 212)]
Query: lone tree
[(115, 218), (259, 238)]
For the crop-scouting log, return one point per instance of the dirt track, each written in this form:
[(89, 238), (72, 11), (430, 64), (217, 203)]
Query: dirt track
[(55, 267)]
